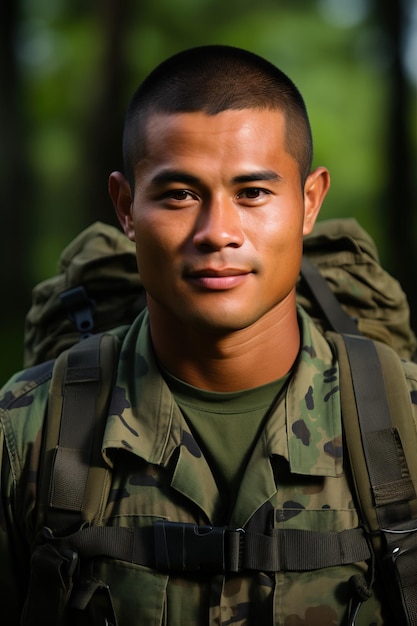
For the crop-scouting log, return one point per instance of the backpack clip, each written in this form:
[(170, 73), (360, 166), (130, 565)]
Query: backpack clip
[(401, 558), (184, 547), (80, 309)]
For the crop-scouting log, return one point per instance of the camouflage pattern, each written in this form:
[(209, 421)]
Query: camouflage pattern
[(295, 479)]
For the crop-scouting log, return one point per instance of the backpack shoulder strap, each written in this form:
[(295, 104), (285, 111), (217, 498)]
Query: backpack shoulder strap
[(337, 318), (381, 441), (74, 477)]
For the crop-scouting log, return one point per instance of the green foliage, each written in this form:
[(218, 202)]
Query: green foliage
[(334, 51)]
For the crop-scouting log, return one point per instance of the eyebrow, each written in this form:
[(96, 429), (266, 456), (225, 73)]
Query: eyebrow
[(179, 176), (175, 176), (257, 175)]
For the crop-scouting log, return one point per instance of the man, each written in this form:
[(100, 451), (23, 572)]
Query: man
[(214, 377)]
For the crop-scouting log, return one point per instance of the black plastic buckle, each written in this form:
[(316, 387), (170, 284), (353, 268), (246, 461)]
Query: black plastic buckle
[(181, 547), (80, 309), (400, 540)]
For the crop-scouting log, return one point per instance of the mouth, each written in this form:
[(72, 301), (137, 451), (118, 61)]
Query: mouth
[(218, 279)]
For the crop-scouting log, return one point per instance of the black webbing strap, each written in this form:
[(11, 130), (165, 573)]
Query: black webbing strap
[(387, 466), (336, 316), (304, 550), (179, 547)]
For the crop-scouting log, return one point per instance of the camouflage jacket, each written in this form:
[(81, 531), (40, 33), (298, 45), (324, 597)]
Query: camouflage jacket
[(296, 478)]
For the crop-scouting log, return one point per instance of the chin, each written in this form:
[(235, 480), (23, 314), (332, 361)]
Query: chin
[(220, 324)]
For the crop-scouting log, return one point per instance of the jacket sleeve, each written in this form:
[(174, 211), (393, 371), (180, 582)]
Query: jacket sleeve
[(14, 567), (22, 409)]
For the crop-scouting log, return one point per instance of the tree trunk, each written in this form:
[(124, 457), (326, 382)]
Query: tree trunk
[(104, 134), (16, 182), (399, 192)]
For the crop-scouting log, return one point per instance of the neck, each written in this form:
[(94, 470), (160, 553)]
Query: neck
[(243, 359)]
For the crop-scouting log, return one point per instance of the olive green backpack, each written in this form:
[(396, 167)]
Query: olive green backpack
[(97, 287), (364, 314)]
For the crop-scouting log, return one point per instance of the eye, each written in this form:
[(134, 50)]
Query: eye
[(176, 198), (180, 194), (253, 193)]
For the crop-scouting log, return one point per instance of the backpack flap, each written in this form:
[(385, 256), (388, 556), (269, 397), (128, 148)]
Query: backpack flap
[(347, 257), (101, 262)]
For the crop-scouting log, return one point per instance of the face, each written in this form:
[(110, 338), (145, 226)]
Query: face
[(218, 216)]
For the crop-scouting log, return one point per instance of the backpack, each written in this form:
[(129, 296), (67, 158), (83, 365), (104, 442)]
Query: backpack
[(364, 315), (97, 287), (101, 262)]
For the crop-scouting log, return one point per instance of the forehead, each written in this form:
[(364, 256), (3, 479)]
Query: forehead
[(190, 118), (224, 146), (230, 129)]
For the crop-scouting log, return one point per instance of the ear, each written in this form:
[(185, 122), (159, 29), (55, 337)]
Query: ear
[(315, 189), (121, 195)]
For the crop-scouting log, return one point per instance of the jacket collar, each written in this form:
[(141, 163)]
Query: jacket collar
[(305, 428)]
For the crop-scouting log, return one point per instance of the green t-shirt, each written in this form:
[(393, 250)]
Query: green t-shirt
[(226, 426)]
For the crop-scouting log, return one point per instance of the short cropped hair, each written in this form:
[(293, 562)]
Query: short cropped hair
[(212, 79)]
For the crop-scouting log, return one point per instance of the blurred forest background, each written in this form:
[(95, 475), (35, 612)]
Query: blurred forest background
[(68, 68)]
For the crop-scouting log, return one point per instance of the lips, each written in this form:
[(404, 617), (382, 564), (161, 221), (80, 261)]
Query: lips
[(218, 279)]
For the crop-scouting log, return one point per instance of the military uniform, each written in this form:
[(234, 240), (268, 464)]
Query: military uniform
[(295, 478)]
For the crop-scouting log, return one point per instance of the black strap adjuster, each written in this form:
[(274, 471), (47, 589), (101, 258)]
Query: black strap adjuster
[(181, 547), (80, 309)]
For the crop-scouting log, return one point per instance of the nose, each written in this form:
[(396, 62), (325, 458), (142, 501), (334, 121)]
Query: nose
[(218, 226)]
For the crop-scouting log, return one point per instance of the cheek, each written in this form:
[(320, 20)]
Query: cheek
[(155, 248), (149, 254), (165, 233), (280, 246), (277, 232)]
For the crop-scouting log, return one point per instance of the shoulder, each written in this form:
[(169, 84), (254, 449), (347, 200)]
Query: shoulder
[(23, 401), (21, 387)]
